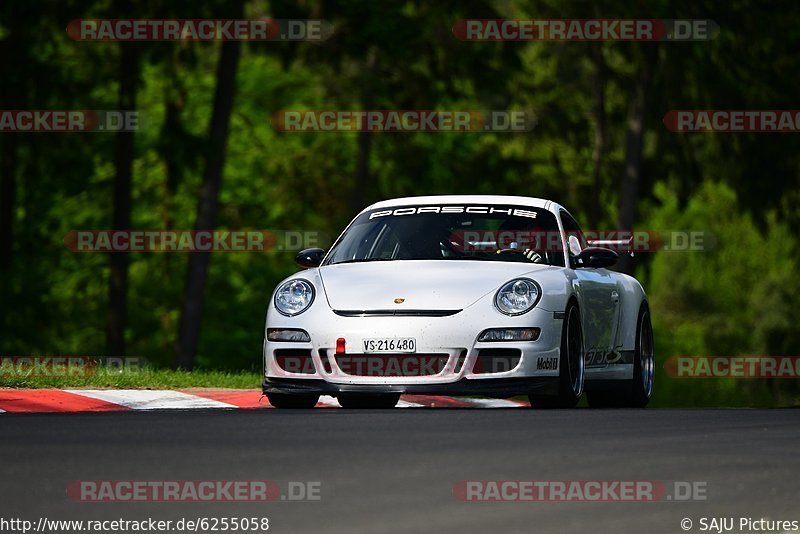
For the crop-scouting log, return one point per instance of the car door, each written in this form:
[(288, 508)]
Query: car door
[(600, 298)]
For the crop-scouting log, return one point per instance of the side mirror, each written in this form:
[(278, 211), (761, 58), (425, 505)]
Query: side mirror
[(595, 257), (310, 257)]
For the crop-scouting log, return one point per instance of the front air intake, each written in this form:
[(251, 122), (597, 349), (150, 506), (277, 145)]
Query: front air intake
[(496, 361)]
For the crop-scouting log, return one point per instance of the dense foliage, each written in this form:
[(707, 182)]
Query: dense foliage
[(738, 297)]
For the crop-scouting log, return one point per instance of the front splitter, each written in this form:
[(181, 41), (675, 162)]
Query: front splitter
[(489, 387)]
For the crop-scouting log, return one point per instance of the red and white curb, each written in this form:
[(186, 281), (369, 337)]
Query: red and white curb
[(116, 400)]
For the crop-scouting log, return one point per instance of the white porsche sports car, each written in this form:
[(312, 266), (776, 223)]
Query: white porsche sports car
[(459, 295)]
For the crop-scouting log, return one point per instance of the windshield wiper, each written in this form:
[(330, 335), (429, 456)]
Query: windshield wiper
[(362, 260), (478, 258)]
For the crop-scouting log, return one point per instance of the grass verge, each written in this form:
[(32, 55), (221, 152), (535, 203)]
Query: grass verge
[(136, 379)]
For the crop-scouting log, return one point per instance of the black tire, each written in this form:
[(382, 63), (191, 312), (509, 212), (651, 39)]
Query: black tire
[(368, 401), (571, 364), (282, 400), (636, 392)]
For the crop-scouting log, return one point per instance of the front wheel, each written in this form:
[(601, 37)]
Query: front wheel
[(571, 365), (282, 400), (368, 401)]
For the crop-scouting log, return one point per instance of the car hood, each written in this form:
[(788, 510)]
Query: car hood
[(423, 284)]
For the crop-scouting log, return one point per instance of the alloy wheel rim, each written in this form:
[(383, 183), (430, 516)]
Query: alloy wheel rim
[(646, 355)]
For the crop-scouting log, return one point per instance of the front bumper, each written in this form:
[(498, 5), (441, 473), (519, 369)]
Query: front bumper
[(454, 338)]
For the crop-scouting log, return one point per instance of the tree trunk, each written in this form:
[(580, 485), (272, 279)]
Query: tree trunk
[(599, 91), (10, 93), (360, 195), (629, 187), (191, 317), (121, 218), (8, 188)]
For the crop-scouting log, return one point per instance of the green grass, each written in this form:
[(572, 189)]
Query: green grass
[(137, 379)]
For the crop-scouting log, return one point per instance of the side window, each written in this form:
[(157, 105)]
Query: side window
[(571, 228)]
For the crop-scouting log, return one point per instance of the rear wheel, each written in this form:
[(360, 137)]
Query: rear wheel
[(368, 401), (282, 400), (636, 392), (571, 365)]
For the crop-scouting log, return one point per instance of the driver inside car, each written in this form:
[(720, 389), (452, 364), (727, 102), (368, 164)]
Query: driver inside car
[(510, 238), (531, 254)]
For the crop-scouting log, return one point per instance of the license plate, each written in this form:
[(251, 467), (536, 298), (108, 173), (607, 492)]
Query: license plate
[(390, 344)]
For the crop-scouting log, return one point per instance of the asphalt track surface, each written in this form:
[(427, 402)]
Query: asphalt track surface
[(395, 470)]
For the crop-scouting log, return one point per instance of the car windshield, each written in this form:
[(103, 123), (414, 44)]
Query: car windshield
[(452, 232)]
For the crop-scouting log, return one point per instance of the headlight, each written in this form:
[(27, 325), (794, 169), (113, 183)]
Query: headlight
[(294, 297), (517, 296)]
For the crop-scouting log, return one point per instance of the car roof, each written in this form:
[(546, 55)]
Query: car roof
[(463, 199)]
